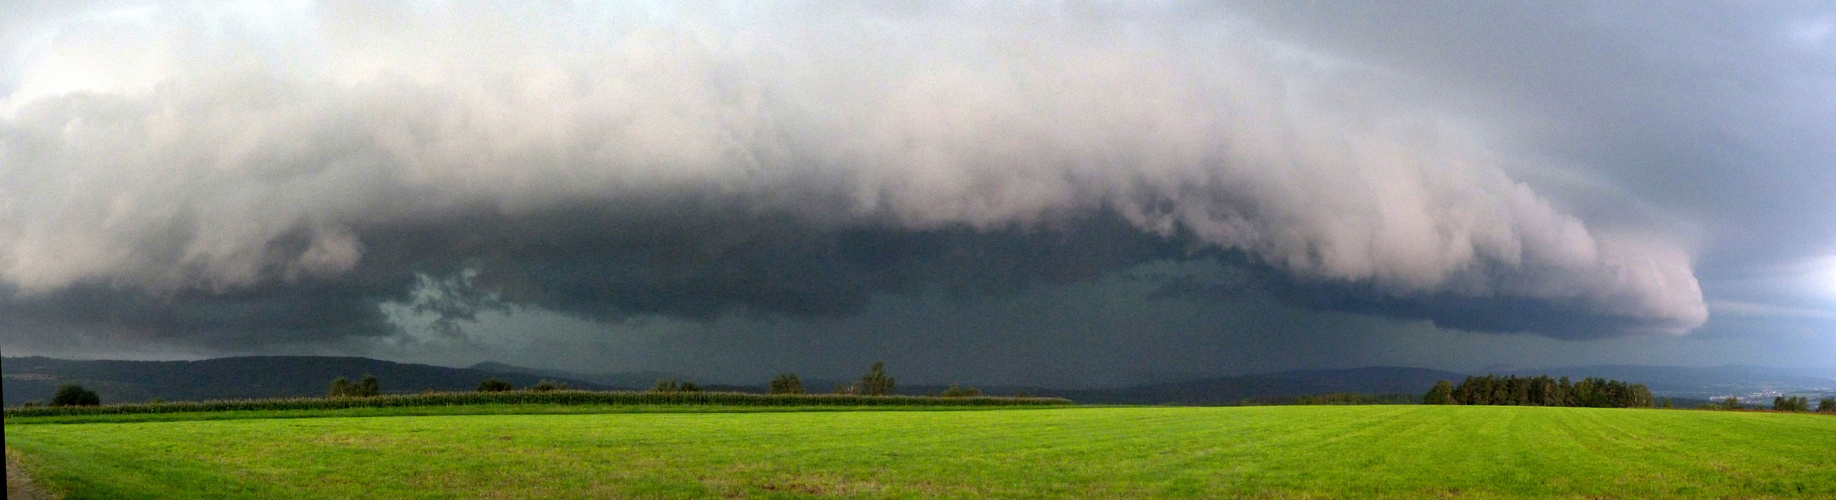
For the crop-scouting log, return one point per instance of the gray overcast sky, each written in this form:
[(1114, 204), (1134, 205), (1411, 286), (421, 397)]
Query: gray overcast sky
[(1071, 194)]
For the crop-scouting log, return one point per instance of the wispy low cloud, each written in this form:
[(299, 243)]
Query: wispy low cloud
[(611, 161), (1753, 310)]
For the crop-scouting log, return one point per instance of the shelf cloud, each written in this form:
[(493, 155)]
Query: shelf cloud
[(241, 178)]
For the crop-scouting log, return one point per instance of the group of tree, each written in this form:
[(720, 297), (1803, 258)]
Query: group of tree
[(672, 385), (495, 385), (957, 391), (786, 383), (75, 395), (1795, 403), (1781, 403), (874, 383), (1801, 403), (498, 385), (1539, 391), (343, 388), (548, 385)]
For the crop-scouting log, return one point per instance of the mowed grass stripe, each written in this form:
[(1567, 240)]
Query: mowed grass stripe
[(1315, 451)]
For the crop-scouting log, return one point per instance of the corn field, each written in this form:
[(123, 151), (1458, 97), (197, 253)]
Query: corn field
[(565, 397)]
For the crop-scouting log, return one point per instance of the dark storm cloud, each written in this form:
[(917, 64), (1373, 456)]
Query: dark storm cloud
[(697, 261), (246, 318), (1556, 318), (269, 172)]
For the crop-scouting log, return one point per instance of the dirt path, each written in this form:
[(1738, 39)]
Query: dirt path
[(18, 485)]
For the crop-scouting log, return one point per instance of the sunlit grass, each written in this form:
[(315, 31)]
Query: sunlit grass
[(1317, 451)]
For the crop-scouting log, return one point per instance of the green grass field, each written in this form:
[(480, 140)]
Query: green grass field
[(1291, 451)]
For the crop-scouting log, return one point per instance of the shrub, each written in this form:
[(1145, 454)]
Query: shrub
[(75, 395), (494, 385), (1731, 403), (548, 385), (957, 391), (786, 383)]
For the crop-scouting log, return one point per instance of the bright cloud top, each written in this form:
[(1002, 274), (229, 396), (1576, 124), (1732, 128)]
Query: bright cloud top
[(177, 150)]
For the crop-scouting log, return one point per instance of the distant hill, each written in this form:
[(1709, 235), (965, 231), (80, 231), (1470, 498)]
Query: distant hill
[(1227, 390), (37, 378)]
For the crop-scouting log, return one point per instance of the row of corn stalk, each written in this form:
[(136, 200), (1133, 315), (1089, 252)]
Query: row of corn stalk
[(564, 397)]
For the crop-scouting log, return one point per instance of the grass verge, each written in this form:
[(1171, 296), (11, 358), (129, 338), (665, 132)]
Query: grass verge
[(1075, 452), (473, 409), (563, 397)]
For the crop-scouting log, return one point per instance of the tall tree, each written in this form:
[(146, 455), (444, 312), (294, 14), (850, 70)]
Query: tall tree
[(1639, 396), (369, 386), (1441, 394), (341, 388), (875, 382)]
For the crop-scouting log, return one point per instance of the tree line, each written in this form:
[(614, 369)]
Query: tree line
[(1802, 404), (874, 383), (343, 388), (1593, 392)]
